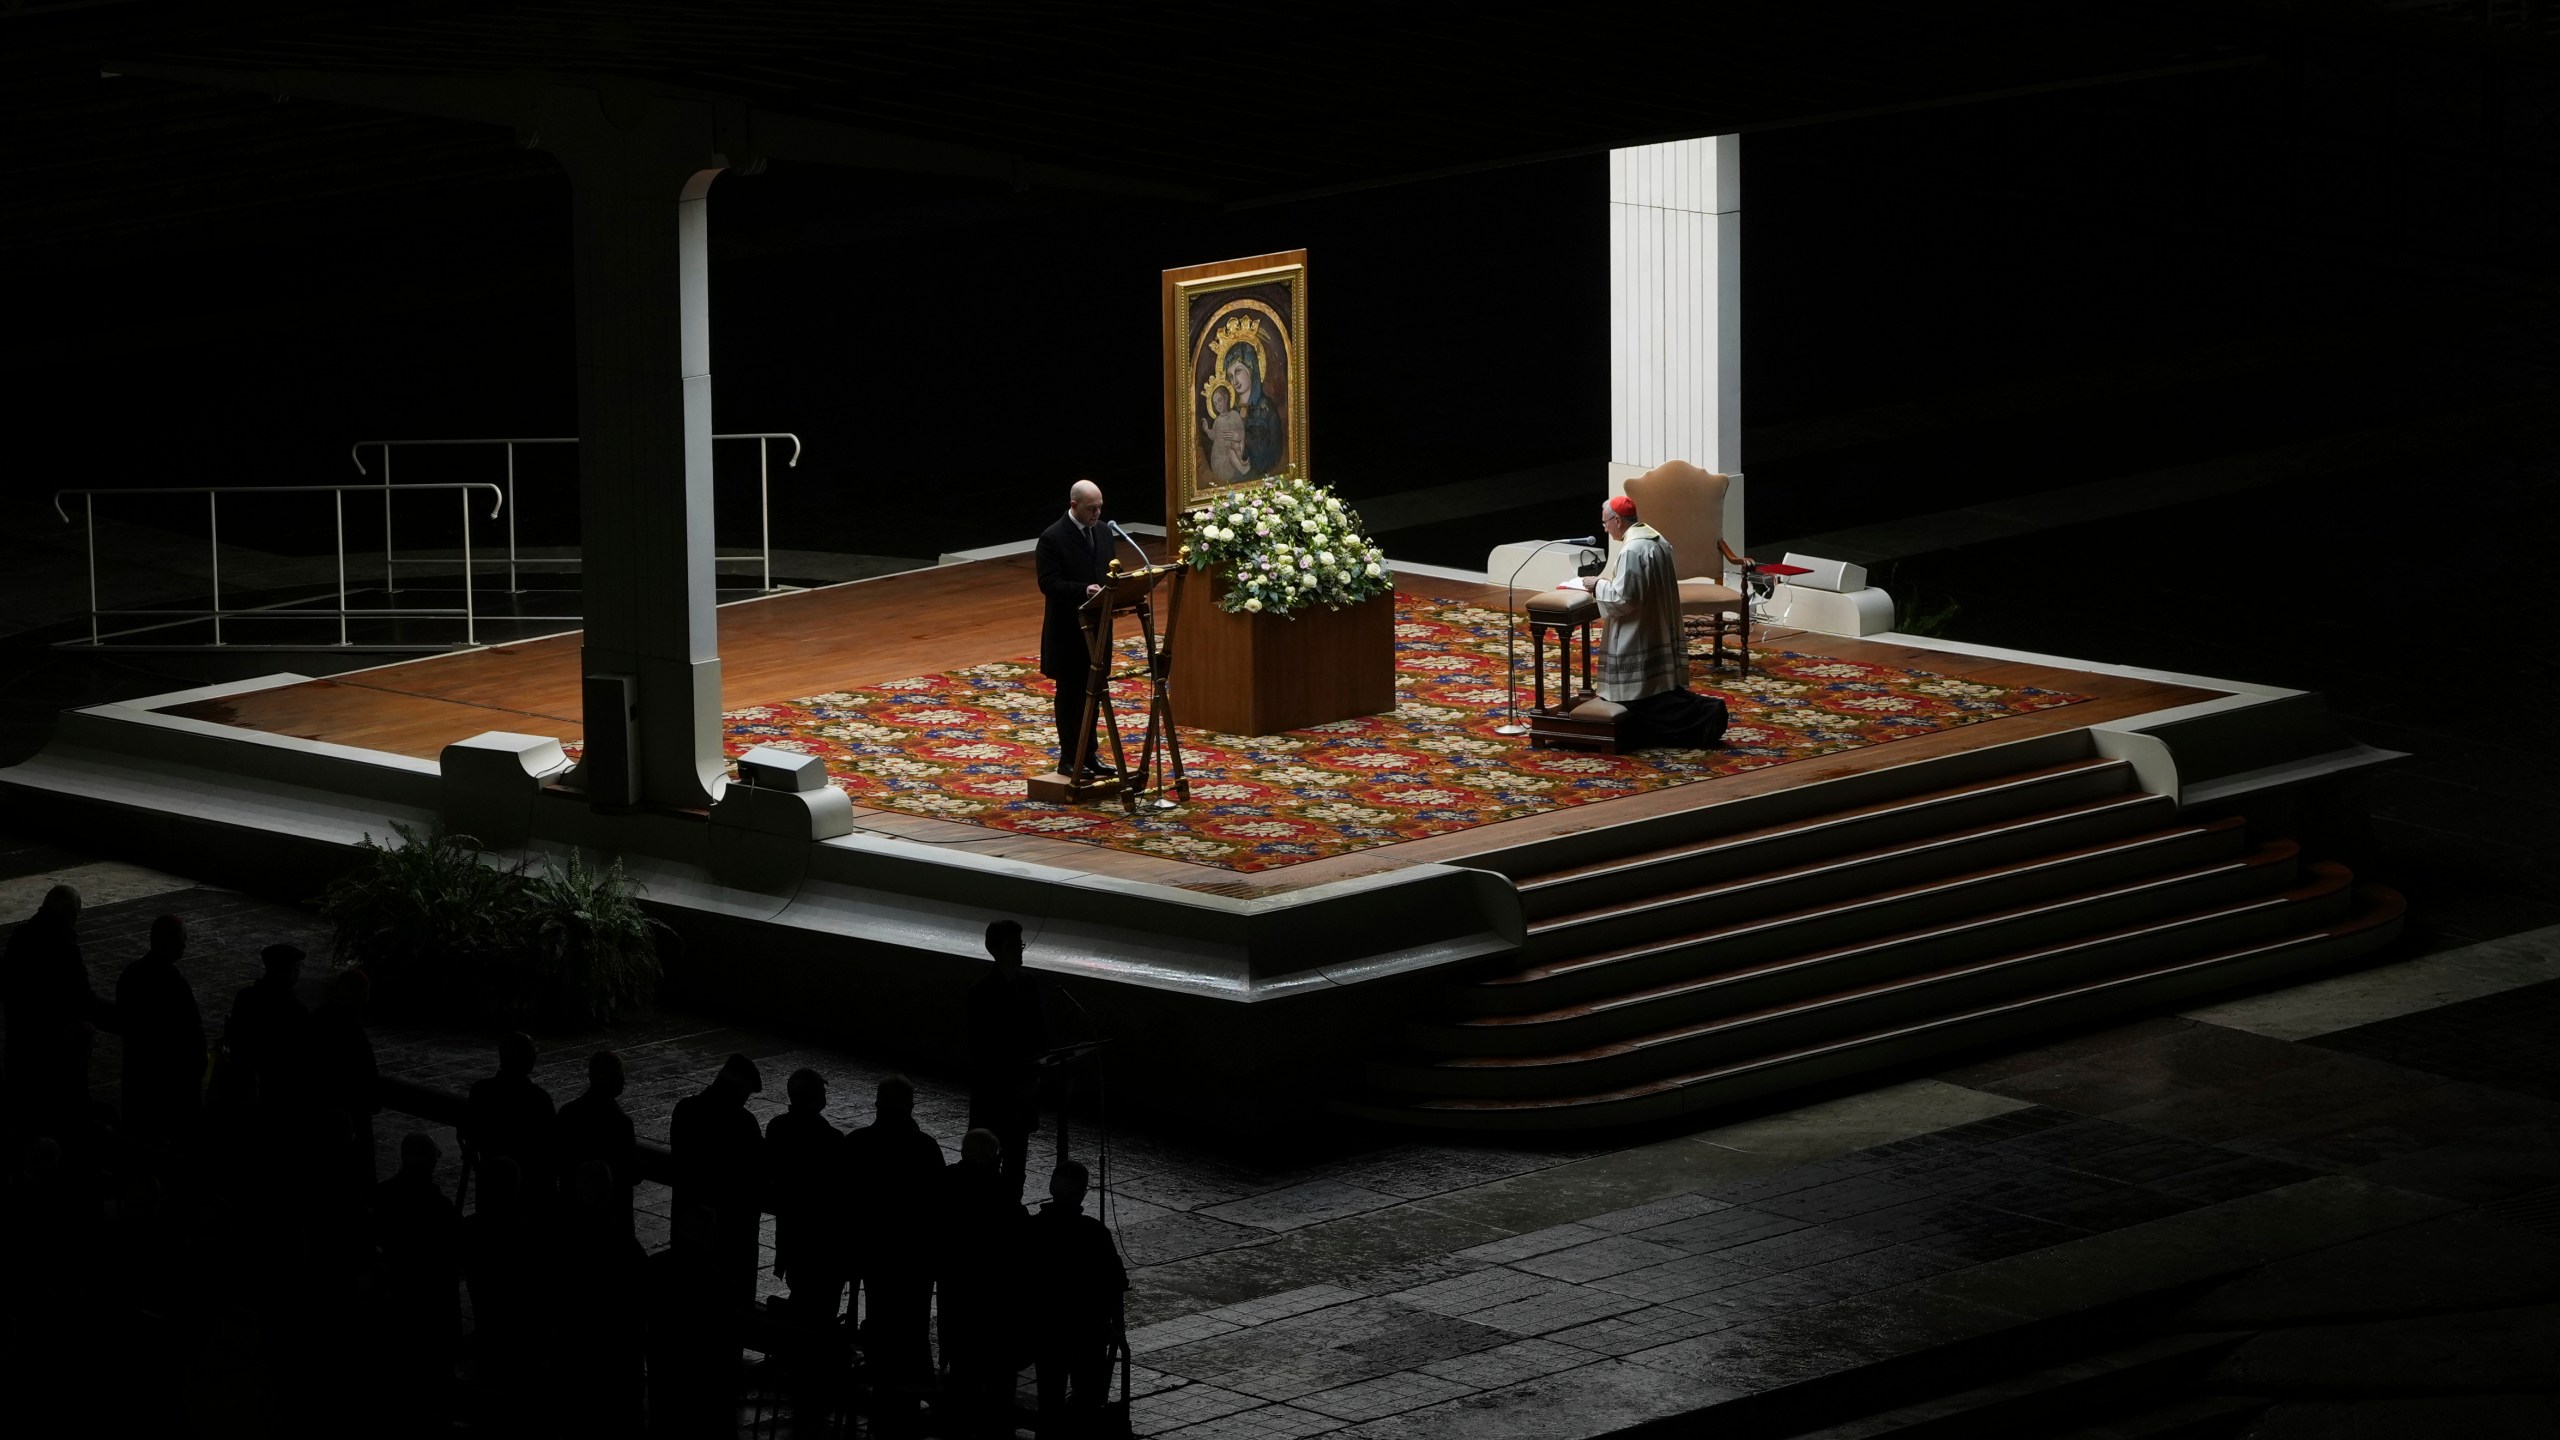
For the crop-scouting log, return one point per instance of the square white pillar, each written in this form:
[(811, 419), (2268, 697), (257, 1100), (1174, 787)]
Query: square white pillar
[(1675, 312)]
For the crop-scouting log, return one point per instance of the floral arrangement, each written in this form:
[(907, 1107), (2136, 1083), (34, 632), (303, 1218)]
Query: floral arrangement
[(1285, 546)]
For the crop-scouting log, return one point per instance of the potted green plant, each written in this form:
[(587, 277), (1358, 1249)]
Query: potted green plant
[(425, 917), (443, 930), (590, 952)]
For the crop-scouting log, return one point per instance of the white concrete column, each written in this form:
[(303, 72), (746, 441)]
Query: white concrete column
[(644, 429), (1675, 312)]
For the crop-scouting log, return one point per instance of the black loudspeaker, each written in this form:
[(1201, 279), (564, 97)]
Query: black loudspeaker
[(611, 765), (768, 767)]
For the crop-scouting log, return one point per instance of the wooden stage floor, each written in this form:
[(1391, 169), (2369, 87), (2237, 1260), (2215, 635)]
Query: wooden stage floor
[(810, 642)]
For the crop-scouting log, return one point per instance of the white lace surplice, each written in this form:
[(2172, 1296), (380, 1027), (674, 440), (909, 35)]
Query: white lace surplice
[(1642, 652)]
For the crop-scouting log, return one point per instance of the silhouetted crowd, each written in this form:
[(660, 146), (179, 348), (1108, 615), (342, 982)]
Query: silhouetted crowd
[(217, 1247)]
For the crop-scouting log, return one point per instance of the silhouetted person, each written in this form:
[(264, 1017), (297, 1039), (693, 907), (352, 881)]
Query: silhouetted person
[(1076, 1284), (602, 1348), (505, 1260), (268, 1033), (507, 1114), (163, 1039), (1006, 1036), (417, 1289), (694, 1327), (802, 1154), (50, 1015), (983, 1231), (719, 1161), (339, 1078), (594, 1127), (893, 1176)]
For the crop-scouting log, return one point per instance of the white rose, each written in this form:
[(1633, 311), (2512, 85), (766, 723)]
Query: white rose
[(1331, 503), (1325, 558), (1253, 605), (1374, 572)]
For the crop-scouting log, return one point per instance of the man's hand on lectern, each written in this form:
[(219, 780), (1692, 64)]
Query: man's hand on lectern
[(1092, 590)]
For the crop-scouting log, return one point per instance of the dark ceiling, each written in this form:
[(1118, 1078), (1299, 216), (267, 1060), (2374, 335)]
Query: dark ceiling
[(1209, 106), (1218, 107)]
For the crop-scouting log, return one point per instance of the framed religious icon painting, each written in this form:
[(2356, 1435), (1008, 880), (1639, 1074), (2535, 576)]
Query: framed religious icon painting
[(1235, 375)]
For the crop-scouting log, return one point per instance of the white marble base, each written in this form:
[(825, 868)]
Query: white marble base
[(1852, 613)]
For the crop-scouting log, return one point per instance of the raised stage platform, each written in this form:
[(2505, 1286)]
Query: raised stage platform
[(955, 616), (268, 782)]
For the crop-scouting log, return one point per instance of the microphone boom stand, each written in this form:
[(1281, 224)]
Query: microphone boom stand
[(1511, 625)]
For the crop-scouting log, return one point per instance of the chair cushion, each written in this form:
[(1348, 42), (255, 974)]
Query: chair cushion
[(1707, 592), (1597, 709), (1564, 605)]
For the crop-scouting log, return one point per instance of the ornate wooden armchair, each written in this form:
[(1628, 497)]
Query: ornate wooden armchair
[(1686, 504)]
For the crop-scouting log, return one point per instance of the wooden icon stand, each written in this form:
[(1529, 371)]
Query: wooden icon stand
[(1133, 591)]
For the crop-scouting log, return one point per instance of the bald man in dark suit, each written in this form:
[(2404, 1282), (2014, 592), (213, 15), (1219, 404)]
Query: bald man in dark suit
[(1071, 561)]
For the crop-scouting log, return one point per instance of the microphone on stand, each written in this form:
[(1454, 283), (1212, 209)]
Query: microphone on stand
[(1133, 544)]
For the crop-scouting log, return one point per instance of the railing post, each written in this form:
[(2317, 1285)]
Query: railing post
[(512, 587), (390, 582), (764, 508), (470, 631), (213, 523), (89, 527)]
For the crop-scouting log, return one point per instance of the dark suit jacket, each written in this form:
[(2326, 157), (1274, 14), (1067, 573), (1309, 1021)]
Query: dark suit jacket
[(1065, 566)]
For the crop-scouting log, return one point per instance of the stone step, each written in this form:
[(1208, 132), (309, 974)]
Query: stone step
[(2074, 827), (1637, 876), (1672, 953), (2251, 890), (2376, 919), (1635, 1055)]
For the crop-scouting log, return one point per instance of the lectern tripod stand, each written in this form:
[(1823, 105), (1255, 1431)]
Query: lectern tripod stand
[(1132, 591)]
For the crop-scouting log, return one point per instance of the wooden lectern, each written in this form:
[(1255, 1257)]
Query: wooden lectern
[(1132, 591)]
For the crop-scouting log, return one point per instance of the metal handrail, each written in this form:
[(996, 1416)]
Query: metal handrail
[(764, 494), (213, 512)]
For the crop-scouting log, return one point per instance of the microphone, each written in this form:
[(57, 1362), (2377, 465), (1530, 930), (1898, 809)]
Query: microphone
[(1133, 544), (1585, 542)]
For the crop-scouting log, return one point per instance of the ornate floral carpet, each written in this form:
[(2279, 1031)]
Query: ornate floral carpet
[(959, 745)]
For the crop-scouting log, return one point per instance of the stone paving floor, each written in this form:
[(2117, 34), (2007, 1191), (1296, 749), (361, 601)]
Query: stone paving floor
[(1383, 1284)]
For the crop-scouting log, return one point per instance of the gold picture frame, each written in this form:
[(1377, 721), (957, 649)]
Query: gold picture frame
[(1235, 360)]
